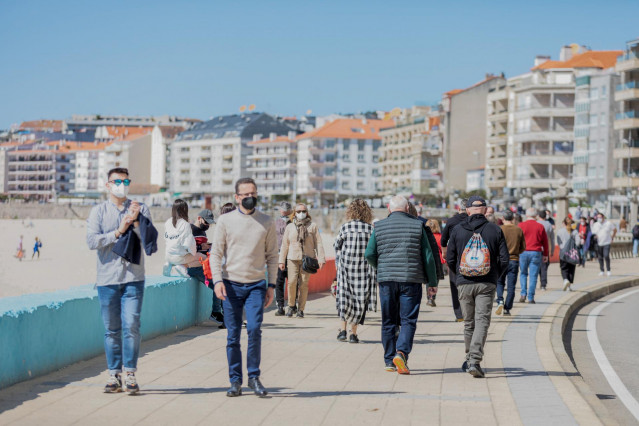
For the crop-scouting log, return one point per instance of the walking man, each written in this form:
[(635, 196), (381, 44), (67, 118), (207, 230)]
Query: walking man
[(246, 238), (120, 283), (280, 227), (550, 233), (450, 225), (478, 254), (399, 249), (605, 232), (536, 252), (516, 245)]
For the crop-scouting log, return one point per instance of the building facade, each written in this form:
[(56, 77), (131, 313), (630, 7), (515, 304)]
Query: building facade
[(340, 160), (273, 164), (32, 172)]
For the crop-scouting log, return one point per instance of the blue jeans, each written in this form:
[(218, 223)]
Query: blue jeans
[(198, 273), (400, 306), (635, 246), (249, 297), (509, 280), (529, 262), (120, 305)]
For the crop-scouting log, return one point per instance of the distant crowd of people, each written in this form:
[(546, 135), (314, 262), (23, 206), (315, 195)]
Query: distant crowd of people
[(387, 262)]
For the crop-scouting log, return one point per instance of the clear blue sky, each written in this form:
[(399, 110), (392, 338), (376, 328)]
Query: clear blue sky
[(206, 58)]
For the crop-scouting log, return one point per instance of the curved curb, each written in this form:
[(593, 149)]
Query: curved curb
[(561, 313)]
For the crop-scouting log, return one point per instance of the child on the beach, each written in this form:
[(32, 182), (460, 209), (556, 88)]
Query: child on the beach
[(36, 248), (181, 249)]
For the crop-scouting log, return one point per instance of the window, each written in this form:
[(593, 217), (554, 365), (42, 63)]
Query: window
[(206, 148), (185, 161), (361, 172), (594, 93), (184, 172), (602, 119), (205, 182), (184, 182), (346, 171), (361, 158), (346, 158), (360, 186), (346, 185), (206, 159), (592, 145), (376, 145), (185, 149), (346, 144), (375, 158), (594, 120), (330, 143), (603, 92), (361, 145), (205, 171)]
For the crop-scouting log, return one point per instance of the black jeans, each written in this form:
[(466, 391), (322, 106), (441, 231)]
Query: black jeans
[(279, 287), (454, 293), (509, 280), (603, 253), (400, 306), (543, 273), (567, 271)]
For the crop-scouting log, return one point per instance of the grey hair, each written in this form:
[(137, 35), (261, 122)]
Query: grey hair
[(531, 212), (398, 203), (463, 204)]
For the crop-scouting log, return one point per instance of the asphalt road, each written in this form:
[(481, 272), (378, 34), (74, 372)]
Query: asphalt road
[(617, 333)]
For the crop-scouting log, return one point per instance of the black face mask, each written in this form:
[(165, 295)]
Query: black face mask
[(249, 203), (204, 226)]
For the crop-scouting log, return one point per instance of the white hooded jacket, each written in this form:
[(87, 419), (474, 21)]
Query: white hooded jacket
[(179, 241)]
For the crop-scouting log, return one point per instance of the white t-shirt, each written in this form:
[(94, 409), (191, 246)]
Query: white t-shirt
[(603, 231), (179, 241)]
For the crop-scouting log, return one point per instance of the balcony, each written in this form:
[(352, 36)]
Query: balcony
[(536, 183), (628, 91), (497, 138), (545, 111), (627, 62), (558, 159), (256, 156), (496, 183), (621, 181), (544, 85), (627, 120), (497, 161), (624, 151), (499, 116), (544, 135)]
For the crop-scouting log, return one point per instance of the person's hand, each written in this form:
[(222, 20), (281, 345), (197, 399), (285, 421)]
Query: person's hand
[(200, 255), (321, 265), (544, 259), (134, 210), (124, 225), (268, 299), (206, 246), (282, 266), (432, 291), (220, 291)]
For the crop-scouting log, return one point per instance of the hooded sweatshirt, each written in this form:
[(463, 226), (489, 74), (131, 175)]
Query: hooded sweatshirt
[(495, 241), (179, 241)]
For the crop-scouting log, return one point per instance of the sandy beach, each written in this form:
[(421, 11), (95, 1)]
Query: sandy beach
[(65, 261)]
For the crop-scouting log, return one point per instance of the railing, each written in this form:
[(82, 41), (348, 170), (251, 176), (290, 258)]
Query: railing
[(626, 115), (628, 56), (626, 86), (623, 174)]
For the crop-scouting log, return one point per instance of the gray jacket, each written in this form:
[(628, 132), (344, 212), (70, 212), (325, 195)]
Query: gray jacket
[(551, 235)]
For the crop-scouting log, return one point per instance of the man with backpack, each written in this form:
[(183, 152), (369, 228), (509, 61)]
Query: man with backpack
[(478, 253)]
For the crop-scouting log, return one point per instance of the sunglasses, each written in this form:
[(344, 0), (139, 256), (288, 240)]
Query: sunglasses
[(119, 182), (300, 211)]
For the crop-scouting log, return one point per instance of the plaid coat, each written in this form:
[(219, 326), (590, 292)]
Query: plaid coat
[(356, 279)]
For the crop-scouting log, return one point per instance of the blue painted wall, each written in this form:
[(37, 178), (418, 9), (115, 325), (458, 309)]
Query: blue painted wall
[(40, 333)]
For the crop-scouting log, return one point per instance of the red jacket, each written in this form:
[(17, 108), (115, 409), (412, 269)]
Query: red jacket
[(535, 235), (438, 238)]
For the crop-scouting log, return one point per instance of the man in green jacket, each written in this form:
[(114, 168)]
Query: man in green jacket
[(399, 250)]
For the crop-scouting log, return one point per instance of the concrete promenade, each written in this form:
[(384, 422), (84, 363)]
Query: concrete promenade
[(315, 380)]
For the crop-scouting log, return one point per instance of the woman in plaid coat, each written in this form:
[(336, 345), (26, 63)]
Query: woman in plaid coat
[(356, 279)]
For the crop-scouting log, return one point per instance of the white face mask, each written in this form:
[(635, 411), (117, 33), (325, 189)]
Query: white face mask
[(600, 220), (300, 216), (119, 191)]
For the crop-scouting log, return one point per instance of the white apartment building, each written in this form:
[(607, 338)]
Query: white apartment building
[(272, 164), (90, 170), (595, 138), (208, 158), (31, 172), (340, 159), (626, 122), (499, 117), (411, 154)]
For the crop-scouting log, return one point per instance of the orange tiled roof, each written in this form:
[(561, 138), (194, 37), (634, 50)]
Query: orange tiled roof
[(126, 133), (454, 92), (353, 128), (266, 140), (592, 59), (55, 125), (82, 146), (458, 91)]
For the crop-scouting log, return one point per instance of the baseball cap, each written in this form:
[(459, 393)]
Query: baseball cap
[(207, 215), (475, 198), (286, 206)]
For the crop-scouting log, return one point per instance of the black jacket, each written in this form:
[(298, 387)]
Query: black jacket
[(494, 239), (450, 224), (434, 248), (128, 245)]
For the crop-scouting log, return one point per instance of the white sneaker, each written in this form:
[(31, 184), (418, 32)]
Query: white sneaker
[(609, 273), (181, 270), (566, 285), (601, 274), (166, 269), (500, 308)]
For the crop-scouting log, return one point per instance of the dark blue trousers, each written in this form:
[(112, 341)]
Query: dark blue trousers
[(249, 297), (400, 306), (510, 283)]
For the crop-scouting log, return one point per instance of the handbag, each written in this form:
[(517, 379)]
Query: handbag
[(569, 252), (310, 264)]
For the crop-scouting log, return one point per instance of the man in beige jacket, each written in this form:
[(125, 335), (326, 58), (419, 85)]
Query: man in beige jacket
[(301, 238)]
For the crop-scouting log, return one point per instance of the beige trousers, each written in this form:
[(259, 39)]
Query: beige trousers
[(297, 278)]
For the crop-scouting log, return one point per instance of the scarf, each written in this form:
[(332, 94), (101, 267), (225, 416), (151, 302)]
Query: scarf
[(302, 229)]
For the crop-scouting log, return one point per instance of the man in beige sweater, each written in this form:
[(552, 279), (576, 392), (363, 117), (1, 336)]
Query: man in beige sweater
[(247, 240)]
